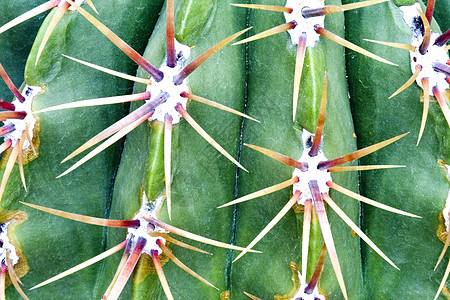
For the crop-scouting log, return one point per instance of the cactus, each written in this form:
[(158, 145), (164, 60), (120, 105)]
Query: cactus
[(168, 169)]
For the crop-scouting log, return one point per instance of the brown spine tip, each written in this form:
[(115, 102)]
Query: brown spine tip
[(13, 115), (320, 122), (317, 272), (427, 35), (442, 39), (6, 129), (170, 35), (10, 84), (442, 68), (429, 10), (5, 105)]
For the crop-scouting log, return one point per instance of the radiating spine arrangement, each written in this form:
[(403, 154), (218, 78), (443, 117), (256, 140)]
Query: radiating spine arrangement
[(81, 77)]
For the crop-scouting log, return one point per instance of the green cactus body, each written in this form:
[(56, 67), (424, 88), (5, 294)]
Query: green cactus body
[(142, 160), (423, 187), (17, 42), (257, 78), (63, 244)]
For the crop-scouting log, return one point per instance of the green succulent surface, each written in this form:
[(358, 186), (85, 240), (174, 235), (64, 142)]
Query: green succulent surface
[(256, 78)]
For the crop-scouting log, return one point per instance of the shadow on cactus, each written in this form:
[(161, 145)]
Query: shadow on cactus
[(166, 98), (20, 129), (311, 181), (430, 62), (147, 236), (305, 24)]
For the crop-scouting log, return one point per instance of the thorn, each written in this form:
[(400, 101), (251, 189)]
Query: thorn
[(429, 10), (408, 82), (193, 236), (337, 39), (369, 201), (262, 192), (109, 71), (426, 104), (97, 102), (83, 265), (10, 84), (181, 244), (442, 39), (19, 160), (305, 236), (216, 105), (427, 36), (10, 266), (269, 32), (320, 122), (300, 57), (86, 219), (321, 11), (444, 279), (117, 136), (119, 125), (19, 115), (30, 140), (356, 229), (5, 105), (13, 276), (362, 168), (178, 79), (326, 233), (2, 281), (358, 154), (442, 68), (185, 268), (111, 140), (441, 256), (271, 224), (251, 296), (5, 145), (130, 52), (317, 271), (394, 45), (91, 4), (206, 136), (161, 276), (331, 9), (29, 14), (280, 157), (366, 200), (6, 129), (127, 269), (167, 161), (51, 26), (442, 103), (9, 166), (123, 261), (265, 7), (170, 35)]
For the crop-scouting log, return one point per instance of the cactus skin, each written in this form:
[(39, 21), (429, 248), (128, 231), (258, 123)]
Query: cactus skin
[(423, 187), (200, 184), (64, 245), (16, 43), (192, 157), (270, 91)]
